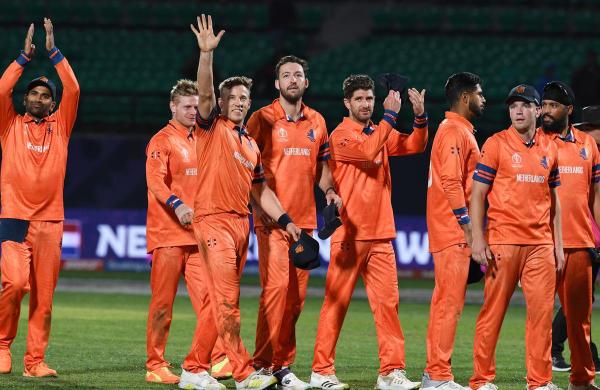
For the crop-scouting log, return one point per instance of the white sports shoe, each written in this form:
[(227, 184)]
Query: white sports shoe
[(291, 382), (256, 381), (396, 380), (488, 386), (430, 384), (198, 381), (328, 382), (547, 386)]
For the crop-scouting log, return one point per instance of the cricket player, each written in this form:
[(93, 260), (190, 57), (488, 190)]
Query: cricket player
[(294, 147), (454, 155), (172, 177), (518, 172), (361, 246), (579, 168), (230, 167), (34, 159)]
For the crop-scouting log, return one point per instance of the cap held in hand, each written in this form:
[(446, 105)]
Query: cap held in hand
[(332, 219), (476, 272), (393, 82), (304, 253)]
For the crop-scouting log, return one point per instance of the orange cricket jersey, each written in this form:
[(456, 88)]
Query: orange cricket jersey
[(290, 152), (520, 175), (454, 155), (228, 165), (579, 168), (34, 154), (171, 172), (361, 173)]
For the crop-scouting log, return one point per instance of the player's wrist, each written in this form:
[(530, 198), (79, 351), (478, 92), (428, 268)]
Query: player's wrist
[(55, 55), (173, 202), (284, 220), (330, 190), (23, 59), (390, 116)]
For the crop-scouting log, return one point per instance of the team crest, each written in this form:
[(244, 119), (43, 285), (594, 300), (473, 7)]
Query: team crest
[(311, 135), (283, 134), (544, 162), (583, 153), (520, 89), (516, 159), (299, 249)]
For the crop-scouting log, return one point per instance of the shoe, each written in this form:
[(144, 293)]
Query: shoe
[(547, 386), (286, 380), (257, 380), (5, 361), (559, 364), (396, 380), (39, 370), (162, 375), (329, 382), (429, 384), (589, 386), (222, 370), (488, 386), (199, 381)]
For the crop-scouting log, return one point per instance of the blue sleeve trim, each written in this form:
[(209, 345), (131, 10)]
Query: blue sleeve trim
[(390, 112), (420, 125), (460, 211), (324, 157), (555, 184), (324, 146), (389, 120), (485, 168), (481, 179), (55, 56), (22, 59)]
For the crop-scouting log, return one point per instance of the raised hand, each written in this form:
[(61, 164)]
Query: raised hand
[(49, 34), (417, 99), (207, 41), (392, 101), (29, 47)]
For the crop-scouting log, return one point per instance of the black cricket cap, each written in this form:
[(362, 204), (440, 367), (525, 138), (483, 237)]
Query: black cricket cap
[(524, 92), (43, 81), (475, 272), (393, 82), (332, 221), (304, 253)]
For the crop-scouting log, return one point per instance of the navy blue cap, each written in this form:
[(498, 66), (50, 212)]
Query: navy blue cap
[(43, 81), (304, 253), (525, 93)]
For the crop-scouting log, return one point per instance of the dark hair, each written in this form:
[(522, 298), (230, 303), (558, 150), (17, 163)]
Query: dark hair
[(357, 81), (293, 59), (459, 83), (233, 81)]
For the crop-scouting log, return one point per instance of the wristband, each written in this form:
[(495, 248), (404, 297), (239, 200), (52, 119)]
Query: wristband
[(173, 202), (284, 220), (330, 189), (464, 220)]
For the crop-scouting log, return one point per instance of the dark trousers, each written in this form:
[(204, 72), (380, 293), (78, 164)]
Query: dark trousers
[(559, 325)]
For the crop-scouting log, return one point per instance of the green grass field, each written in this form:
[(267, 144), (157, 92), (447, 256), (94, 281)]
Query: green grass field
[(98, 342)]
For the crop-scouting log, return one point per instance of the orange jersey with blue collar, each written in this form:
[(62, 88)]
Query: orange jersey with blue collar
[(361, 173), (454, 155), (290, 152), (34, 153), (171, 174), (520, 175), (579, 168), (229, 163)]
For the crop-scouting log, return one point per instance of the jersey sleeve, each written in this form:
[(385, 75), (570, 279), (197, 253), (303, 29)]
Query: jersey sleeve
[(7, 82), (554, 177), (259, 171), (157, 165), (595, 165), (450, 152), (486, 168), (67, 111), (324, 152), (400, 144), (207, 123)]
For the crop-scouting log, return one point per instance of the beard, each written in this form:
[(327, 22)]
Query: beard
[(476, 109), (292, 98), (557, 125)]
